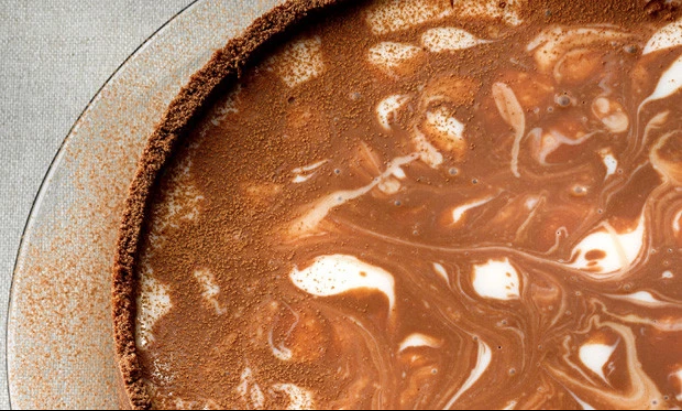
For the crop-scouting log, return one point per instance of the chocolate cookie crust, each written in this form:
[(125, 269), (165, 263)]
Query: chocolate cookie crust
[(223, 70)]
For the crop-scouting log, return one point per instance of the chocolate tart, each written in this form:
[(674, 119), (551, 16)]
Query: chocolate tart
[(414, 204)]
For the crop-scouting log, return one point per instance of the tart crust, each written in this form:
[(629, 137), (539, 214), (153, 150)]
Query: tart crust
[(223, 70)]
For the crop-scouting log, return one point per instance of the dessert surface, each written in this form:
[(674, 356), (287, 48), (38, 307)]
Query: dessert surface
[(427, 204)]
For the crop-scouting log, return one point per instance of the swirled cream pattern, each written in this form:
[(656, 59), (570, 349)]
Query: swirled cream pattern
[(429, 204)]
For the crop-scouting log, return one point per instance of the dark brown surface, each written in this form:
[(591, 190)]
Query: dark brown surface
[(247, 228)]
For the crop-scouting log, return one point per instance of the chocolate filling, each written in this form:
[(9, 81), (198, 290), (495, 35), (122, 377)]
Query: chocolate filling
[(414, 204)]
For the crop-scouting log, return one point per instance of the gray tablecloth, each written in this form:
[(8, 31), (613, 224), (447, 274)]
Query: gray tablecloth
[(54, 56)]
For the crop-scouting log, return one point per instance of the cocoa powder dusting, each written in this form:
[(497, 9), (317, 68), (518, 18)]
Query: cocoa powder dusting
[(416, 204)]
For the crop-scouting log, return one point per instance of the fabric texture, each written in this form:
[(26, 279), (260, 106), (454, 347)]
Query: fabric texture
[(54, 57)]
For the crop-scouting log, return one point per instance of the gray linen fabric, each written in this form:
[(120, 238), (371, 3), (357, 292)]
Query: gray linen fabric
[(54, 56)]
